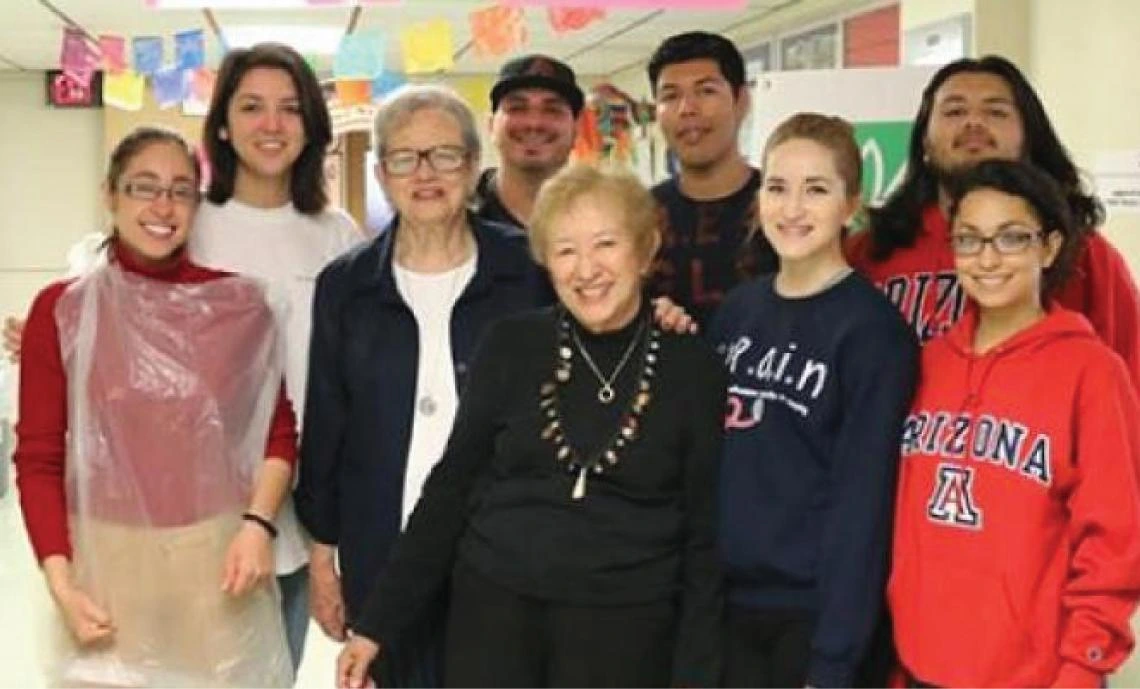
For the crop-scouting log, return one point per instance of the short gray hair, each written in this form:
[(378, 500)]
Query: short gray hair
[(397, 110)]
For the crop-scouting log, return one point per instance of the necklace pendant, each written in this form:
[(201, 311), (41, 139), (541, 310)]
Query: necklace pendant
[(427, 405), (579, 491), (605, 394)]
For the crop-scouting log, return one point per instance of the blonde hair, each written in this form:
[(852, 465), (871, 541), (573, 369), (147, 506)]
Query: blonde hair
[(833, 133), (580, 180)]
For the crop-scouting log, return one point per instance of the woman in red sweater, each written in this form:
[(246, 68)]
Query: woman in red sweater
[(1016, 558), (152, 456)]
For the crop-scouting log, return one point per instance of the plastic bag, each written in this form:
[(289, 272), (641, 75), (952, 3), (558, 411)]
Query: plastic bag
[(171, 391)]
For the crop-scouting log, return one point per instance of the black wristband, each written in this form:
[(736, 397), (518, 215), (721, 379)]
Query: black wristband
[(262, 522)]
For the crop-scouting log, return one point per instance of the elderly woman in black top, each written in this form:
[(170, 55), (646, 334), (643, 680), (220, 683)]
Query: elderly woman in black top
[(573, 507)]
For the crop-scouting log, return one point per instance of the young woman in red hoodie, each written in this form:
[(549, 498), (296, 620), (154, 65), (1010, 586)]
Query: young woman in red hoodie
[(155, 446), (1016, 558)]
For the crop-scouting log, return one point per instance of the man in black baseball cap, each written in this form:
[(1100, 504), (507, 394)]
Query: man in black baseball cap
[(535, 106), (538, 71)]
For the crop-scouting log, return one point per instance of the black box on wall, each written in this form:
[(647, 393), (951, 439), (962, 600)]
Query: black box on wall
[(64, 91)]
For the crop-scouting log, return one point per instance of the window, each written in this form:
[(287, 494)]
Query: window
[(812, 49)]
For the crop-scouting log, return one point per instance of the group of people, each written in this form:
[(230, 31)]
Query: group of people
[(518, 467)]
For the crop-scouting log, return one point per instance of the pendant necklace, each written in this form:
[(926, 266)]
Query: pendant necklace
[(606, 392), (629, 423), (426, 403)]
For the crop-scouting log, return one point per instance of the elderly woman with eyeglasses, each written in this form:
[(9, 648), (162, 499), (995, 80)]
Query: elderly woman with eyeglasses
[(395, 323)]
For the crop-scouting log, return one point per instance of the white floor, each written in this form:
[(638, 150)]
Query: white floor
[(24, 602)]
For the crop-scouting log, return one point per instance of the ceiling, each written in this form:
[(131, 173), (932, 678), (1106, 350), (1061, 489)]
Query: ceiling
[(30, 30)]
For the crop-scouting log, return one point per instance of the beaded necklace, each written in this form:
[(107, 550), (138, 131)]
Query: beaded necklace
[(554, 430)]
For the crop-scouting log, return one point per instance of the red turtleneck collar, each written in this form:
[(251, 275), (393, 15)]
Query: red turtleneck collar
[(178, 268)]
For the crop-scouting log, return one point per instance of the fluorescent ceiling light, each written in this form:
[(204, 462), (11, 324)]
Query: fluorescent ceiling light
[(307, 40), (226, 4), (261, 4)]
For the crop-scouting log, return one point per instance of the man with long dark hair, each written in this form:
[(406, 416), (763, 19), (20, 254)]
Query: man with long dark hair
[(974, 110)]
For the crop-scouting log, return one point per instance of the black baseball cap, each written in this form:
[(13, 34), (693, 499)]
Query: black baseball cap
[(538, 71)]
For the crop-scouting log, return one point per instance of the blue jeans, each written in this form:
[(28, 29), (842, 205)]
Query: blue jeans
[(295, 610)]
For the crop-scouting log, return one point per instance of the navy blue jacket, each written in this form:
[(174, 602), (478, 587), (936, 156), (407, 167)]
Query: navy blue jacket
[(363, 359)]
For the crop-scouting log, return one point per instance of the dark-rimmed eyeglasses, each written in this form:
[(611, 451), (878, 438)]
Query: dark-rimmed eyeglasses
[(146, 190), (1006, 242), (402, 162)]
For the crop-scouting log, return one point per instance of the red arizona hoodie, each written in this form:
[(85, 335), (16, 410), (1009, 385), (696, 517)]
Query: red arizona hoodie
[(921, 282), (1016, 558)]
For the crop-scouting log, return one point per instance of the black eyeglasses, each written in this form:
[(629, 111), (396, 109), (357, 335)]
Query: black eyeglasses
[(1006, 242), (147, 190), (402, 162)]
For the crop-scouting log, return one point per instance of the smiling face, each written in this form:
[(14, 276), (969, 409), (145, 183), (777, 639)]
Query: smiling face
[(154, 230), (804, 202), (533, 130), (595, 262), (264, 123), (427, 195), (974, 118), (699, 114), (1007, 282)]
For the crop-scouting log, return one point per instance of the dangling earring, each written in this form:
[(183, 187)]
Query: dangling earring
[(222, 134)]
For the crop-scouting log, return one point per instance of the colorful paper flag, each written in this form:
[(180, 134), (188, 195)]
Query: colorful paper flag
[(567, 19), (147, 54), (124, 90), (114, 50), (199, 91), (359, 56), (711, 5), (77, 58), (427, 47), (497, 30), (169, 84), (189, 49), (386, 83), (476, 90), (354, 91)]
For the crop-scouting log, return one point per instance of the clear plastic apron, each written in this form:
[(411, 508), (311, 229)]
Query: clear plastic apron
[(171, 392)]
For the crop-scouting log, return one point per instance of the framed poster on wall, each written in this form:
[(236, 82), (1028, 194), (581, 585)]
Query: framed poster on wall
[(937, 43)]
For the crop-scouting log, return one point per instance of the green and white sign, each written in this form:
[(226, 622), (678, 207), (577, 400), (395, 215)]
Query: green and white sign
[(884, 147)]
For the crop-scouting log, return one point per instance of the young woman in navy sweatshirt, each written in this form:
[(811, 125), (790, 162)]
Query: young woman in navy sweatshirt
[(821, 371), (1016, 556)]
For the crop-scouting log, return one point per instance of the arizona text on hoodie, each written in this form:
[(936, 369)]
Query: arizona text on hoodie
[(1016, 557)]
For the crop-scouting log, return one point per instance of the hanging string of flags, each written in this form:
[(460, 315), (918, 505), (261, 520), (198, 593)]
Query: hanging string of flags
[(358, 67), (359, 70)]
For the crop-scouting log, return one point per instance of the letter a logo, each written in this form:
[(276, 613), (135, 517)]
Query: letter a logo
[(953, 499)]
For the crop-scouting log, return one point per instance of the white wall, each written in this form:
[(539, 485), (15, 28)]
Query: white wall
[(49, 186), (1083, 65), (915, 13), (1075, 55)]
